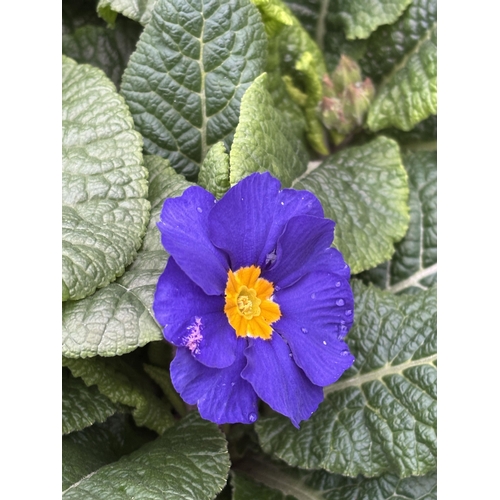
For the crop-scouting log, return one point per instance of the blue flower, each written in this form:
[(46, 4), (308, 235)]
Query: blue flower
[(255, 299)]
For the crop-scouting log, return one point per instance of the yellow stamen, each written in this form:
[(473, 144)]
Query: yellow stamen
[(249, 307)]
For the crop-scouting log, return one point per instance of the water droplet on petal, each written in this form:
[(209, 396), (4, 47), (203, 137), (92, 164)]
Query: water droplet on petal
[(282, 202), (252, 417), (290, 354), (348, 312), (232, 384), (313, 295), (345, 352), (340, 302), (337, 284), (324, 342), (304, 330), (199, 209)]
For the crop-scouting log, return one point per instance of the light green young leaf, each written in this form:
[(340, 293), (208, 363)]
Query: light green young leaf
[(264, 141), (123, 384), (364, 189), (263, 480), (189, 462), (408, 94), (86, 451), (118, 318), (138, 10), (83, 406), (381, 415), (104, 48), (105, 209), (414, 264), (185, 81), (214, 171)]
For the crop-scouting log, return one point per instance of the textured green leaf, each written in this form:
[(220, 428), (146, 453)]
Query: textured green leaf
[(423, 137), (362, 17), (104, 48), (414, 264), (83, 406), (364, 190), (189, 462), (408, 94), (214, 172), (138, 10), (86, 451), (264, 141), (186, 79), (123, 384), (262, 480), (105, 209), (118, 318), (381, 415)]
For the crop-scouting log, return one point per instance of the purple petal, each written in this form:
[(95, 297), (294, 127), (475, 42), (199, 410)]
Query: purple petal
[(278, 381), (303, 241), (248, 220), (316, 314), (191, 318), (184, 233), (222, 395)]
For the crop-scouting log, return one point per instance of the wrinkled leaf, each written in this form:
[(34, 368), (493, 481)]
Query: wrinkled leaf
[(214, 172), (86, 451), (104, 185), (189, 462), (83, 406), (123, 384), (185, 81), (423, 137), (138, 10), (381, 415), (104, 48), (264, 141), (414, 264), (364, 190), (119, 318), (262, 480)]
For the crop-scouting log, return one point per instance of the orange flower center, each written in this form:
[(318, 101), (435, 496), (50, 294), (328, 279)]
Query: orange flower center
[(249, 307)]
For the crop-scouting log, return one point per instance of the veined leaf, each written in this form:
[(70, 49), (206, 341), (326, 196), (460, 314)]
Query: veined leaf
[(86, 451), (105, 209), (83, 406), (264, 141), (123, 384), (414, 264), (185, 81), (263, 480), (381, 415), (364, 190), (119, 318), (138, 10), (214, 172), (189, 462), (423, 137), (104, 48)]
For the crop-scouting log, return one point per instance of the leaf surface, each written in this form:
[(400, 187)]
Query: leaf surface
[(138, 10), (364, 189), (381, 415), (104, 184), (414, 264), (185, 81), (214, 172), (119, 318), (189, 462), (83, 406)]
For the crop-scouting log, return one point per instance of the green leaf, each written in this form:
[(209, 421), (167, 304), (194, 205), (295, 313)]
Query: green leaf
[(86, 451), (381, 415), (104, 48), (123, 384), (414, 264), (263, 480), (362, 17), (408, 94), (185, 81), (214, 172), (119, 318), (138, 10), (364, 189), (423, 137), (105, 209), (189, 462), (264, 141), (83, 406)]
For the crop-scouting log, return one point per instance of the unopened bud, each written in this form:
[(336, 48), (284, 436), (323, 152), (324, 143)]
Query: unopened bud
[(359, 96), (346, 72)]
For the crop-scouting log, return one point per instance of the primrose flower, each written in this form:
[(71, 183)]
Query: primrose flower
[(255, 299)]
